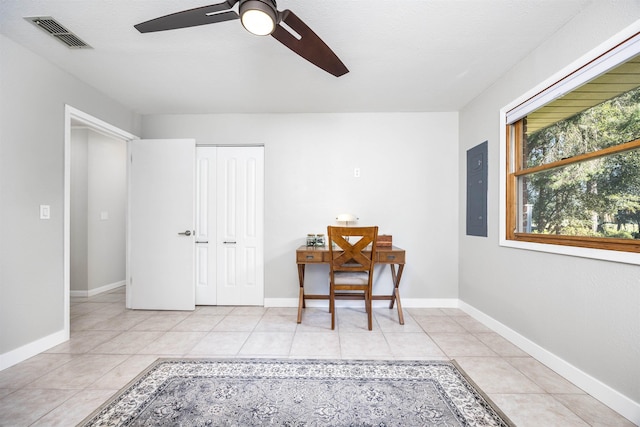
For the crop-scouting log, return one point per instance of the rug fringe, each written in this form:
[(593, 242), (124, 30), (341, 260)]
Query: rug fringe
[(484, 395)]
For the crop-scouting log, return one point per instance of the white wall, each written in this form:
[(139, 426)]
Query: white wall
[(98, 206), (408, 187), (584, 312), (79, 230), (33, 95), (107, 203)]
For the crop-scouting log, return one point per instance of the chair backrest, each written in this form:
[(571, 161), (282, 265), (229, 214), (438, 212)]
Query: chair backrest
[(350, 246)]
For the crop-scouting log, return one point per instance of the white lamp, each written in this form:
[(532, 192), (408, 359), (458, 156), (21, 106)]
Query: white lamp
[(346, 218), (259, 17)]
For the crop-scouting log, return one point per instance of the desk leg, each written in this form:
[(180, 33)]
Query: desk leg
[(396, 291), (301, 303)]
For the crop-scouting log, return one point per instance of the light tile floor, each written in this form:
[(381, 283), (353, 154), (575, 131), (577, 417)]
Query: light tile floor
[(110, 345)]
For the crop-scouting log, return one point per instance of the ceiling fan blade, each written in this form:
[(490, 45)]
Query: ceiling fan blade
[(309, 46), (191, 18)]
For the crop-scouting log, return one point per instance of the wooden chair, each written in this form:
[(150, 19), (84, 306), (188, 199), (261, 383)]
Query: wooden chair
[(351, 268)]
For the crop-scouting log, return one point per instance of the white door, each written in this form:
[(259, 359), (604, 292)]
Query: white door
[(161, 224), (240, 228), (206, 292)]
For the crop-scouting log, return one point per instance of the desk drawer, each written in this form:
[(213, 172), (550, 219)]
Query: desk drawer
[(309, 257), (396, 257)]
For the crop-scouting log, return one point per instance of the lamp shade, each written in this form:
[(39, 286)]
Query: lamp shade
[(258, 17), (346, 217)]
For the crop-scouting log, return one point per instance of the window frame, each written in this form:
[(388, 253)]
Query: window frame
[(514, 141), (615, 51)]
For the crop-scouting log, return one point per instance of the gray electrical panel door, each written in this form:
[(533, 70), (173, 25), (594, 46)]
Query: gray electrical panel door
[(477, 190)]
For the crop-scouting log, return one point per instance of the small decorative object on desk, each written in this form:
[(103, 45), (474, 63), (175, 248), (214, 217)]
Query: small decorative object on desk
[(316, 240), (311, 239), (384, 240)]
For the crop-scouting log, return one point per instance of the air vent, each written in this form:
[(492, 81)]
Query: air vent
[(58, 31)]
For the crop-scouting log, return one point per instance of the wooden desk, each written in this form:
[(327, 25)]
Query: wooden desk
[(393, 256)]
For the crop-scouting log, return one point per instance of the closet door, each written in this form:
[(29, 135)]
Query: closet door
[(206, 292), (240, 225)]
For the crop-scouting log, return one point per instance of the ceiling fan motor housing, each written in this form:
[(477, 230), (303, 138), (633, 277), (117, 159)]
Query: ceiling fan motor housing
[(259, 9)]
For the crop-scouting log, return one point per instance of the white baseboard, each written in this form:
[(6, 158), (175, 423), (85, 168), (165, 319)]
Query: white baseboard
[(429, 302), (20, 354), (96, 291), (281, 302), (607, 395), (406, 303)]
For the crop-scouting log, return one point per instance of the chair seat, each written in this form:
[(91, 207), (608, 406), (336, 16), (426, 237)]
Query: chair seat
[(349, 278)]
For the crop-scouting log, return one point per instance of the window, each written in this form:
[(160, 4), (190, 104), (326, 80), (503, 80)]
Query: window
[(573, 158)]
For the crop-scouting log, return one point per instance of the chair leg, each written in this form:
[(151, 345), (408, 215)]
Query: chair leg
[(367, 297), (332, 306)]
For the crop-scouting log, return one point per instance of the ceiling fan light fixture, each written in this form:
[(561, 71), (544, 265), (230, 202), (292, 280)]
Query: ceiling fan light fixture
[(258, 17)]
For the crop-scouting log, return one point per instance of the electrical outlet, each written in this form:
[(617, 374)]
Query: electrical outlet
[(356, 172)]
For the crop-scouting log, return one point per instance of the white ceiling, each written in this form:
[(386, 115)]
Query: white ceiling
[(403, 55)]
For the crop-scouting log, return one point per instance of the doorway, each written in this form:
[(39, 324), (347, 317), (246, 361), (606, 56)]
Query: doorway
[(98, 211), (75, 117)]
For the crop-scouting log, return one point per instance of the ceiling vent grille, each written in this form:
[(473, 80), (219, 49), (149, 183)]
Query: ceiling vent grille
[(58, 31)]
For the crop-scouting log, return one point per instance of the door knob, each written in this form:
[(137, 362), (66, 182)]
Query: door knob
[(186, 233)]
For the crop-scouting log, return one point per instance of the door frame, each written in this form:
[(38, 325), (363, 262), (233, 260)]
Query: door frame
[(71, 115)]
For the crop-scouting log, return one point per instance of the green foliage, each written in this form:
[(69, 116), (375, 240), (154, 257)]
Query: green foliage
[(581, 198), (619, 234)]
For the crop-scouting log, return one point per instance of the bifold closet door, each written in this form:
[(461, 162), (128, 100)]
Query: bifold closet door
[(230, 226)]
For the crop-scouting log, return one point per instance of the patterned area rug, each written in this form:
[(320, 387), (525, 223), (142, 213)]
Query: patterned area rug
[(290, 392)]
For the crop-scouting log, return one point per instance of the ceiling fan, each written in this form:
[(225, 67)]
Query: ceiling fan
[(260, 17)]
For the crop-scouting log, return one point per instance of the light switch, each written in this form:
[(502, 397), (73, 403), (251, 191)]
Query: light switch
[(45, 212), (356, 172), (104, 215)]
